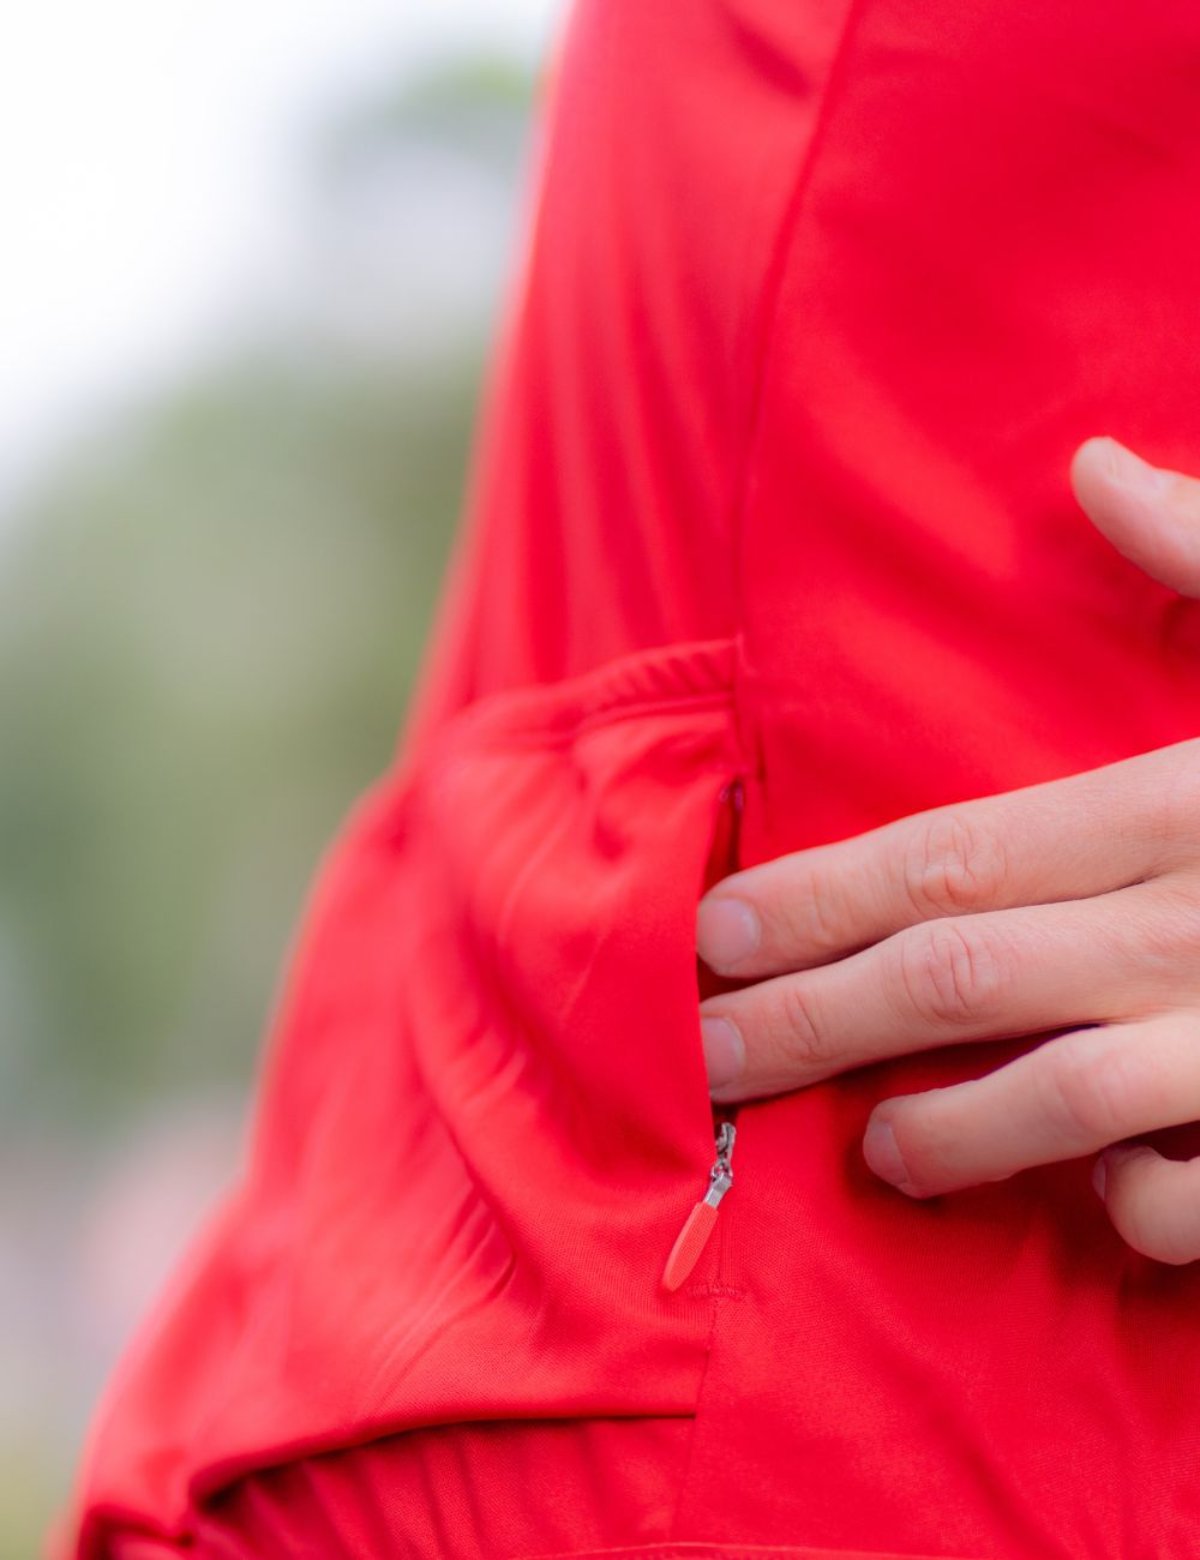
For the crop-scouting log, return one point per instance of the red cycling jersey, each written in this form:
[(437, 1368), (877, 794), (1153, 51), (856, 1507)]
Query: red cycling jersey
[(769, 541)]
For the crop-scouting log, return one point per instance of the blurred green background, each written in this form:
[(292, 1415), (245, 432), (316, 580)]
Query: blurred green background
[(214, 600)]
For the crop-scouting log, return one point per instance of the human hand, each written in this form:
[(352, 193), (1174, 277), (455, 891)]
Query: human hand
[(1071, 905)]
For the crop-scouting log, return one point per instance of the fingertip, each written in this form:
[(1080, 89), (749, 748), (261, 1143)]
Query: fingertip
[(1105, 457), (724, 1052), (1126, 470), (1109, 1163), (883, 1156), (1148, 513), (1121, 1155), (1153, 1204), (1092, 458), (728, 931), (1096, 450)]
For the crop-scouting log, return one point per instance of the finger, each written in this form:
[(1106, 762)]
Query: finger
[(1071, 1096), (1153, 1202), (1149, 513), (1062, 839), (997, 974)]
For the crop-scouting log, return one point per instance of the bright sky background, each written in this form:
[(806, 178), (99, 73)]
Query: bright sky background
[(149, 153)]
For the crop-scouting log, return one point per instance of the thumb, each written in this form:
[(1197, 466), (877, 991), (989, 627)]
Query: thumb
[(1149, 514)]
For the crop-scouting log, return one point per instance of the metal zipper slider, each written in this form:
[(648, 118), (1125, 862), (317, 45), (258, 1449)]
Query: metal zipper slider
[(693, 1237)]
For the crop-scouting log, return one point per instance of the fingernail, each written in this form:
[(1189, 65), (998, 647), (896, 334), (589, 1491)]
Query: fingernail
[(882, 1153), (727, 931), (724, 1051), (1130, 471), (1100, 1176)]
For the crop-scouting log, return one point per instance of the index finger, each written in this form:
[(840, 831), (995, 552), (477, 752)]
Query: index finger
[(1061, 839)]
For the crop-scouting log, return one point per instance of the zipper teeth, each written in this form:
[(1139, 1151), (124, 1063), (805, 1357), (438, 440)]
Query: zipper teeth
[(720, 1177), (724, 1114), (733, 796), (732, 799)]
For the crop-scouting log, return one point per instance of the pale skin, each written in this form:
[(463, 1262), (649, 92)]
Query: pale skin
[(1069, 906)]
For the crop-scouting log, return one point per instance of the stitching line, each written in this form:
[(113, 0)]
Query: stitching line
[(769, 307)]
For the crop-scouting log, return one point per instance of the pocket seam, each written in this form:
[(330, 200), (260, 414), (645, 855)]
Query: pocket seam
[(687, 675)]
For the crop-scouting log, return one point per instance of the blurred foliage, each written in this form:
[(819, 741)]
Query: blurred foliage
[(478, 109), (206, 639)]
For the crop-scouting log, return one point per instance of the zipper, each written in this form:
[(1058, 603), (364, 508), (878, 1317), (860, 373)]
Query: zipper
[(701, 1221)]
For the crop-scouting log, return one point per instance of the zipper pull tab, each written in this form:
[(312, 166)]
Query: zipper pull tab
[(693, 1237)]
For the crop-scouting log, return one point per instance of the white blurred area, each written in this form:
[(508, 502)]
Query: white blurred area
[(149, 157)]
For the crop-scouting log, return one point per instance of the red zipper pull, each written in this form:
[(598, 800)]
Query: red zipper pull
[(693, 1237)]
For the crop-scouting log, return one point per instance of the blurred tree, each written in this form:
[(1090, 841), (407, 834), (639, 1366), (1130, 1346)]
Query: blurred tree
[(205, 647)]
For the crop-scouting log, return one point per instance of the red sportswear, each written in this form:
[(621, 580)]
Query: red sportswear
[(770, 541)]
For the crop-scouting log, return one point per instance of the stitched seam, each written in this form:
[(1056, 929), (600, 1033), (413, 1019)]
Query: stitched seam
[(613, 685), (548, 737), (772, 293)]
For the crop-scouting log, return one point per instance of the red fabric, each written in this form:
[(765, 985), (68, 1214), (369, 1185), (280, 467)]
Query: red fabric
[(817, 301)]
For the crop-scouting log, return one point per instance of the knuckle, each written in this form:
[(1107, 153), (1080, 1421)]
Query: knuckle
[(796, 915), (823, 924), (1167, 935), (953, 866), (1170, 801), (949, 976), (1090, 1092), (808, 1042), (792, 904)]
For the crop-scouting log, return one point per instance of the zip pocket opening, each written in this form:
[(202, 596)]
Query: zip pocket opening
[(693, 1237)]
